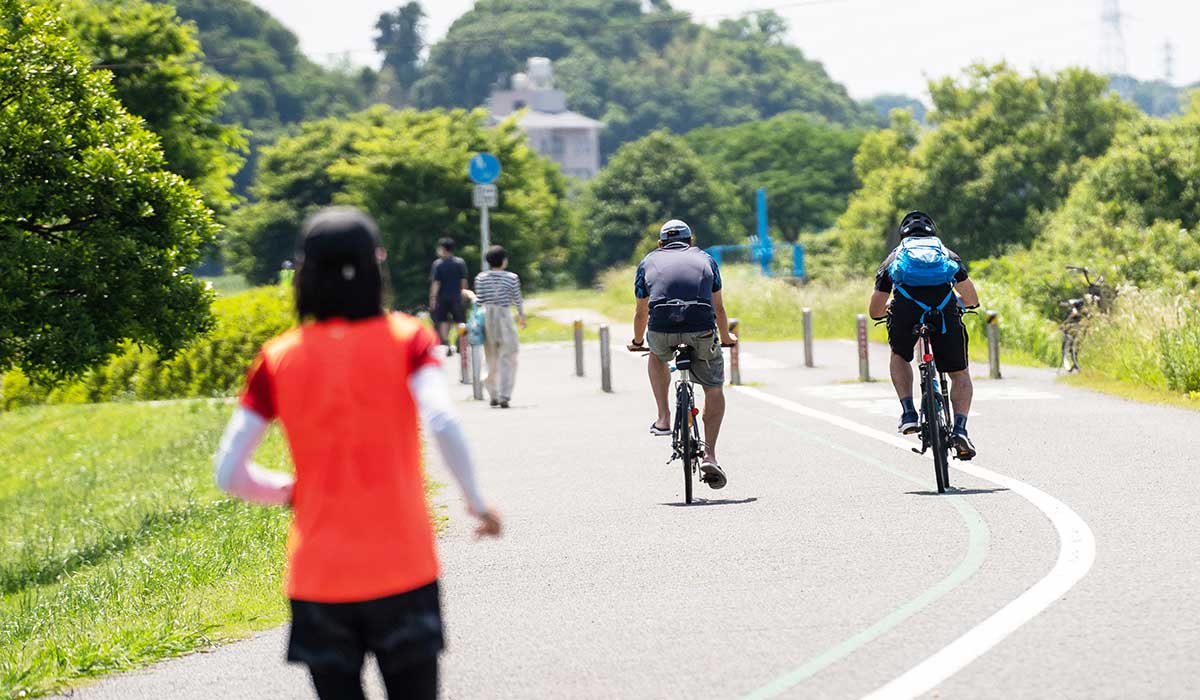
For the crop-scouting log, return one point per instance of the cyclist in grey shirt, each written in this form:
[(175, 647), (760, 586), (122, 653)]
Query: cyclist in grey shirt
[(678, 290)]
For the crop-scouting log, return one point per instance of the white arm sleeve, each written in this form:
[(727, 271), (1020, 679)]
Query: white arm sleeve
[(429, 388), (234, 471)]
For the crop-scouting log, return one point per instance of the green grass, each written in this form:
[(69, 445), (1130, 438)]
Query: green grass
[(227, 285), (1091, 379), (118, 548), (540, 329)]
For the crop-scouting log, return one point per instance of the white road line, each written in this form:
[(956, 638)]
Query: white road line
[(1077, 551)]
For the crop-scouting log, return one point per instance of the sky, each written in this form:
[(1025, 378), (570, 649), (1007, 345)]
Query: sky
[(871, 46)]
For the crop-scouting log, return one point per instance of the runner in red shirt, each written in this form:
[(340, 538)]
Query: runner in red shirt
[(347, 386)]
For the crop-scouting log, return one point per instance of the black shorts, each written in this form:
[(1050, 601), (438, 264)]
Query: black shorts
[(449, 310), (399, 630), (949, 348)]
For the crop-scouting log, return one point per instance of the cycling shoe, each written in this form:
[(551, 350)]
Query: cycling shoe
[(909, 423), (713, 475), (963, 446)]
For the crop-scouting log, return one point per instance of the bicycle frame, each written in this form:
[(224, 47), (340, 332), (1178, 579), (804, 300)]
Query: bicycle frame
[(685, 438)]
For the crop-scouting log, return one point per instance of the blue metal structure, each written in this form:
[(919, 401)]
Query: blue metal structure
[(761, 248)]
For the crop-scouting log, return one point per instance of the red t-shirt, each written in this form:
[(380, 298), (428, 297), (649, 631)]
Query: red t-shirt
[(361, 527)]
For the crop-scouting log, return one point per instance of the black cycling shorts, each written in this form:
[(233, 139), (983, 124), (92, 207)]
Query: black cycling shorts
[(949, 348), (400, 630)]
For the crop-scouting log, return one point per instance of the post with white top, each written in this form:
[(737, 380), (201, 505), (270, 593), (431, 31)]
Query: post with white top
[(477, 372), (578, 347), (993, 338), (808, 338), (735, 364), (464, 353), (605, 360), (864, 368)]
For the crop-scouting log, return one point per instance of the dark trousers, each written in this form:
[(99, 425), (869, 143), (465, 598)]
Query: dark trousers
[(417, 681)]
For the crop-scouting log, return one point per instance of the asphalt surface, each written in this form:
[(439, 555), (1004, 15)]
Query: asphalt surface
[(825, 569)]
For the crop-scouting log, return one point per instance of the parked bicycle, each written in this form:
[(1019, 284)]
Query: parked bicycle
[(1096, 295)]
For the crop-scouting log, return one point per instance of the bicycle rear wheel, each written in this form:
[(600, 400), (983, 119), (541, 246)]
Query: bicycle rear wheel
[(683, 423), (933, 429)]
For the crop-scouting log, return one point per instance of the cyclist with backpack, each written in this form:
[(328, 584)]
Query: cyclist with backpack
[(924, 282)]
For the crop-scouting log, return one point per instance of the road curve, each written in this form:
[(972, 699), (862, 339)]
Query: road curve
[(825, 569)]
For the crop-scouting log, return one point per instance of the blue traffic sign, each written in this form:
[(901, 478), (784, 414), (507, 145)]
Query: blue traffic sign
[(483, 168)]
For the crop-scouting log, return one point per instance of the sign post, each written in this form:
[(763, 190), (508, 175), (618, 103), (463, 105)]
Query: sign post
[(484, 169)]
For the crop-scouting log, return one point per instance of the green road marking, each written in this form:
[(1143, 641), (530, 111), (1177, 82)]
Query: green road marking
[(977, 550)]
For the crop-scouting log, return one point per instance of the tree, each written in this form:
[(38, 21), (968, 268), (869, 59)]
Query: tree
[(884, 104), (637, 70), (806, 165), (647, 182), (155, 61), (97, 233), (1133, 216), (407, 169), (401, 43), (1003, 154)]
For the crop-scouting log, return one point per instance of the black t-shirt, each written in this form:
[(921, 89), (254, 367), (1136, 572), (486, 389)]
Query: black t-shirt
[(931, 296), (450, 272)]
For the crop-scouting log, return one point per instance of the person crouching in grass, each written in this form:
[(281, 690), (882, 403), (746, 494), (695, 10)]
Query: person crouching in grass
[(347, 386)]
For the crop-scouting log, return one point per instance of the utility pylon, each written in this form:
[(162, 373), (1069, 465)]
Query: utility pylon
[(1168, 61), (1112, 53)]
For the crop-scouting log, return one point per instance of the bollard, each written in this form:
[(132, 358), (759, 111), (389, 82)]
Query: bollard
[(605, 360), (993, 338), (463, 351), (477, 372), (864, 368), (578, 348), (735, 366), (808, 338)]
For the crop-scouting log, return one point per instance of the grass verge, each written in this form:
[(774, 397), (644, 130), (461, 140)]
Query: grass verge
[(1120, 388), (118, 549)]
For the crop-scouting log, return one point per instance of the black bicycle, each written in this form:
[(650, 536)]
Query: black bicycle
[(936, 424), (687, 444)]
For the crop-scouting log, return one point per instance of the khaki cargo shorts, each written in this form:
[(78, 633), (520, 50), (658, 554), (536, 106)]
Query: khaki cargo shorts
[(708, 363)]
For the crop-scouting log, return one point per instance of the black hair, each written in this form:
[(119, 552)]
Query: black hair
[(448, 244), (496, 256), (338, 274)]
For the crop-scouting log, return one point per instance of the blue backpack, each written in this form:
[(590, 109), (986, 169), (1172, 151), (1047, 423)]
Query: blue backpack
[(923, 261)]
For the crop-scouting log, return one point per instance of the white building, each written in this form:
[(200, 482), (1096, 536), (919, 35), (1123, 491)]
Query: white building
[(568, 138)]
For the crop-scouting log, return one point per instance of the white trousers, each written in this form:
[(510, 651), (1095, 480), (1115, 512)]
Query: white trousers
[(500, 347)]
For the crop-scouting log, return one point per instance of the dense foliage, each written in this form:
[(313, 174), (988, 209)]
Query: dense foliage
[(408, 169), (214, 365), (97, 232), (1004, 153), (157, 75), (806, 165), (277, 84), (646, 183), (636, 68)]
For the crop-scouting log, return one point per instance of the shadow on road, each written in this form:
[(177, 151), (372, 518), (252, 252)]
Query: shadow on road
[(711, 502), (954, 492)]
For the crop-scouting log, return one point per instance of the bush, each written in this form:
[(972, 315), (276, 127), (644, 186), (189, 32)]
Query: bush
[(213, 365), (1149, 338)]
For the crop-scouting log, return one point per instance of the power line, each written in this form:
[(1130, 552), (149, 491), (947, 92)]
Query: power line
[(646, 21), (1112, 59)]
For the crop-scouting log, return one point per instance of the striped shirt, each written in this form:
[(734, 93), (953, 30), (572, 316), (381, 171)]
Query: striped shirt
[(499, 288)]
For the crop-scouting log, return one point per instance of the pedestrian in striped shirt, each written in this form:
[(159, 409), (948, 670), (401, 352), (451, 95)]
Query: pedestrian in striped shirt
[(500, 291)]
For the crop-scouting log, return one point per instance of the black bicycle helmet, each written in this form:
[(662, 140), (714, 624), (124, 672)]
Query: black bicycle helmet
[(917, 223)]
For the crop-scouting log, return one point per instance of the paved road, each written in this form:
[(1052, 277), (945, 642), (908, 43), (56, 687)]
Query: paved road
[(825, 569)]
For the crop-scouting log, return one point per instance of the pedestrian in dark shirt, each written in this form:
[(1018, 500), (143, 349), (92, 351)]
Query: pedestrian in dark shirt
[(447, 280)]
